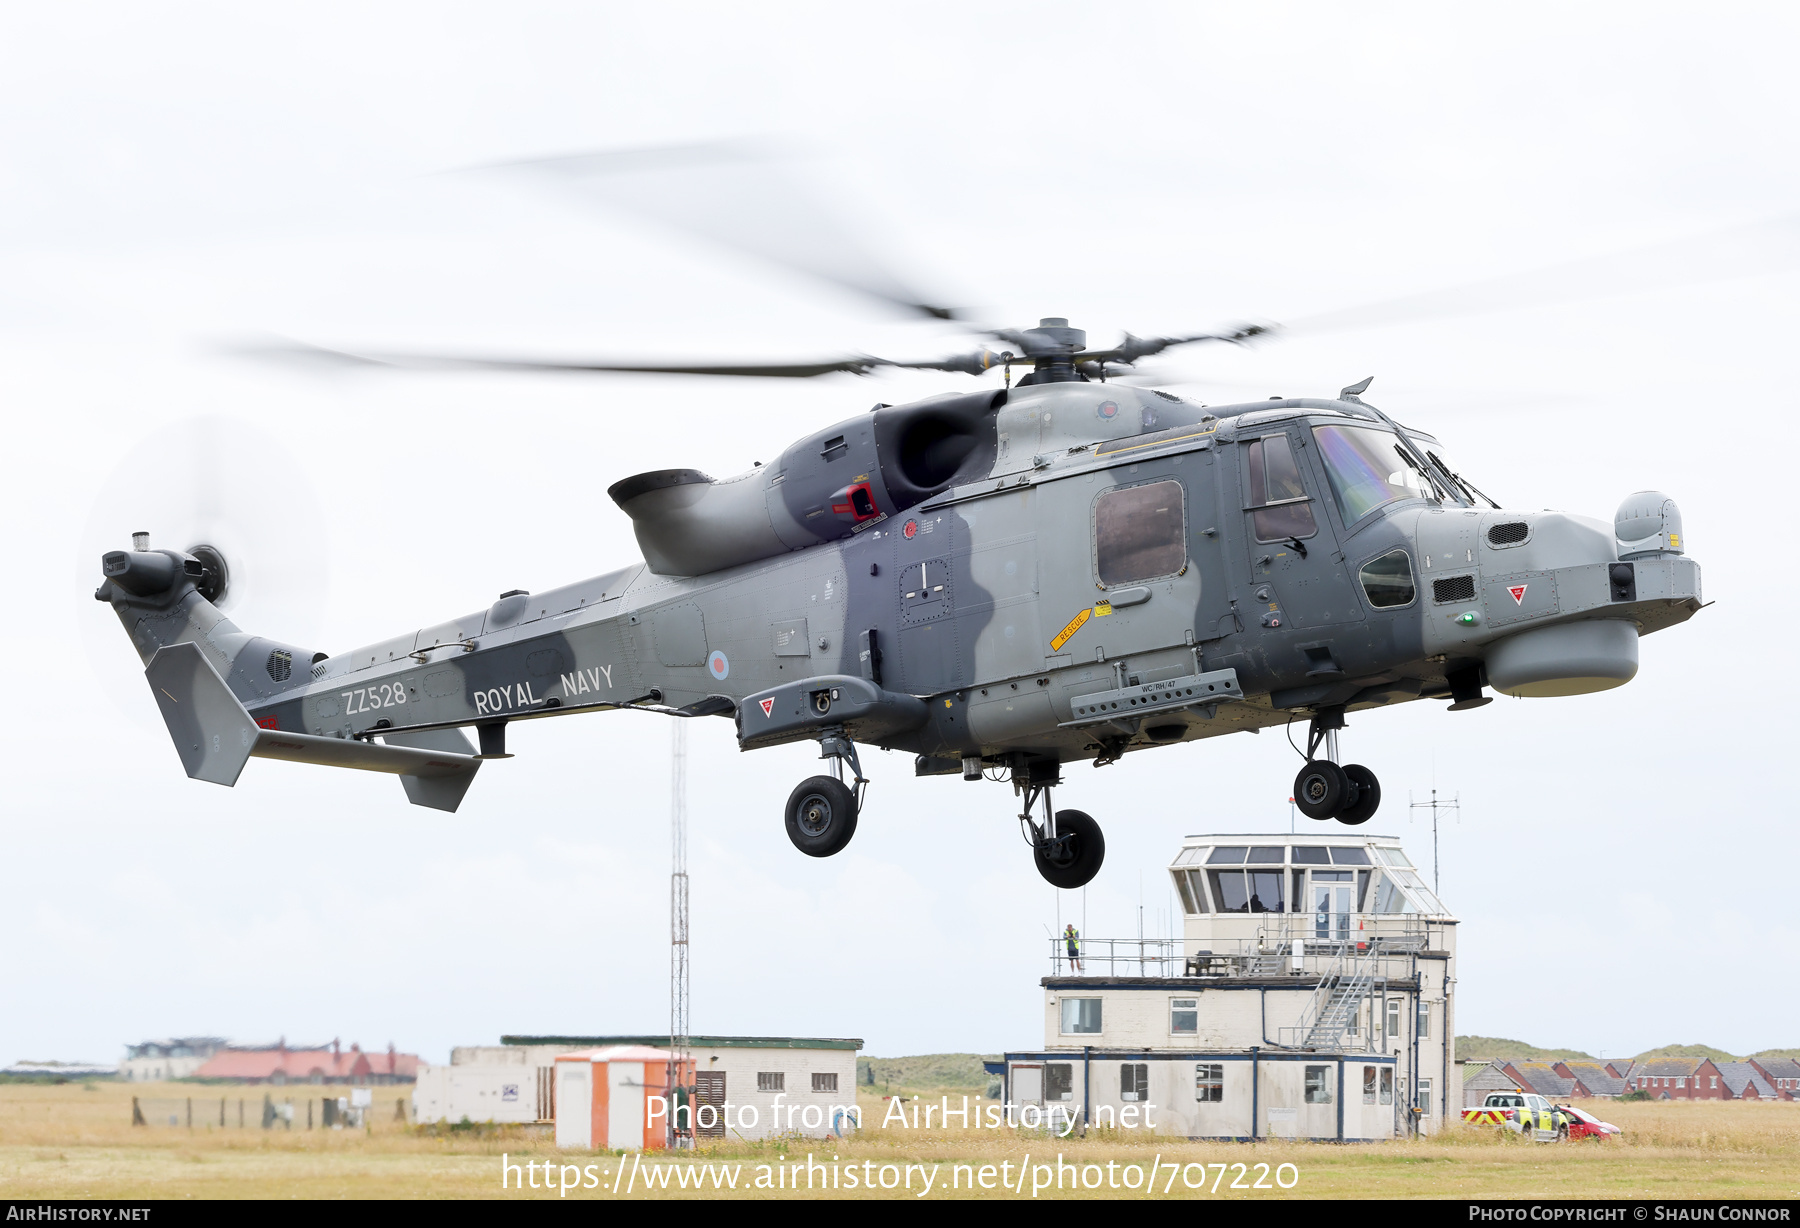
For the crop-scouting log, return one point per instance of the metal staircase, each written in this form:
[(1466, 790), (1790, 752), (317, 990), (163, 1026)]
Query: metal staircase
[(1338, 998)]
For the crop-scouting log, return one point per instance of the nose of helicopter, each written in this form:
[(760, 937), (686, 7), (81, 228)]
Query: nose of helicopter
[(1552, 603)]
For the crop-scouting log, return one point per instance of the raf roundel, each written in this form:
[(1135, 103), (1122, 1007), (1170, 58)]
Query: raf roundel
[(1109, 410), (718, 666)]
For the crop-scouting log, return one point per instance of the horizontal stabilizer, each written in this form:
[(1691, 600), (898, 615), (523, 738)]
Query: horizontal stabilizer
[(215, 736)]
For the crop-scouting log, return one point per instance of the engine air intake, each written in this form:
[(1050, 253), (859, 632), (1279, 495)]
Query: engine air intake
[(281, 665), (1509, 534), (1453, 588)]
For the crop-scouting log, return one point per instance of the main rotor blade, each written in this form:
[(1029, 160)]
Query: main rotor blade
[(1718, 255), (319, 356), (738, 194)]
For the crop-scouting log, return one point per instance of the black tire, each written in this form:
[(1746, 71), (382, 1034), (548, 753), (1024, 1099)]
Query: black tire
[(1077, 855), (821, 816), (1321, 789), (1368, 795)]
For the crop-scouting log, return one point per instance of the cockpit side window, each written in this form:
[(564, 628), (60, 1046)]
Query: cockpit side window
[(1281, 508)]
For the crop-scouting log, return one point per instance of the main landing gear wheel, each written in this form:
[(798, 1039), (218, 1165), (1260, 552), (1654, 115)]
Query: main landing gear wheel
[(1321, 789), (1368, 795), (1073, 856), (821, 816)]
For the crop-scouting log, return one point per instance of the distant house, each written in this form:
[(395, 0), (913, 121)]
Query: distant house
[(1542, 1078), (1481, 1078), (1594, 1078), (278, 1064), (1745, 1082), (176, 1057), (1677, 1078), (1620, 1068), (1783, 1074)]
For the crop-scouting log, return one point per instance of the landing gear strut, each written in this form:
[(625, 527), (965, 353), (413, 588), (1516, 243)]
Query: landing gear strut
[(1067, 846), (1324, 790), (822, 810)]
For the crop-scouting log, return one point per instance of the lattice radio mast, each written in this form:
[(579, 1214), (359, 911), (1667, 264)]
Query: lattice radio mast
[(679, 1040), (1449, 807)]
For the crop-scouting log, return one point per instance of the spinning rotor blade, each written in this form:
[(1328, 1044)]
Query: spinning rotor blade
[(738, 194), (1719, 255), (314, 356)]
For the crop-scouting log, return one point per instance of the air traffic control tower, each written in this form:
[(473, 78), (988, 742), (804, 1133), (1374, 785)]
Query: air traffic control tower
[(1312, 996)]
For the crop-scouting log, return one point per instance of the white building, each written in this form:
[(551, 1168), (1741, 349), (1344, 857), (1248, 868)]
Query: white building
[(154, 1061), (1310, 996), (757, 1085)]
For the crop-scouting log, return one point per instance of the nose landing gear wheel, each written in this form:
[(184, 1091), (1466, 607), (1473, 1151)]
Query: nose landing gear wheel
[(821, 816), (1368, 795), (1321, 789), (1073, 858)]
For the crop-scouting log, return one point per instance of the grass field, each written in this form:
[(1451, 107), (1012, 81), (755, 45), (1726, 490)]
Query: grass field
[(76, 1141)]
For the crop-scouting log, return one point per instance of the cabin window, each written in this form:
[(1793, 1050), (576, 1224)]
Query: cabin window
[(1080, 1016), (1134, 1081), (1318, 1085), (1209, 1082), (1281, 506), (1388, 580), (1140, 533), (1184, 1016)]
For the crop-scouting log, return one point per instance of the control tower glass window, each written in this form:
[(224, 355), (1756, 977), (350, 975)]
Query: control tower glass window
[(1140, 533), (1367, 468), (1249, 890), (1278, 497)]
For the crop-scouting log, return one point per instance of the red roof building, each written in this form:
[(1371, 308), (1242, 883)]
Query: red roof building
[(1677, 1078), (279, 1064), (1783, 1074)]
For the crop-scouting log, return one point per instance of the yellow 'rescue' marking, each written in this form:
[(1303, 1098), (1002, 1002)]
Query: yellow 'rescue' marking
[(1075, 624)]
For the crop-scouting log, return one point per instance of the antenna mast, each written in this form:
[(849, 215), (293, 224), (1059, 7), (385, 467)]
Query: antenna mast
[(1453, 806), (679, 1041)]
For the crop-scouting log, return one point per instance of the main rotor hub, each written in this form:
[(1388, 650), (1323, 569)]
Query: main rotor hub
[(1053, 338)]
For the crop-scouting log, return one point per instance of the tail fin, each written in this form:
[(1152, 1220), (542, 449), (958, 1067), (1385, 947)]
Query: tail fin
[(215, 737)]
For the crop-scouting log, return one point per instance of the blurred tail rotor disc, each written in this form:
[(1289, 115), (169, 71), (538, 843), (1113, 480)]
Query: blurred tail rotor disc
[(232, 495)]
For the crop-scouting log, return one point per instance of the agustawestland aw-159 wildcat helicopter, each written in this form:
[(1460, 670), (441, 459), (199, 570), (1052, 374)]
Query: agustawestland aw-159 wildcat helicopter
[(1005, 581)]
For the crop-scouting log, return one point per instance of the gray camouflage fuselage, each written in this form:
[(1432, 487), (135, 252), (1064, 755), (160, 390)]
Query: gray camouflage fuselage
[(977, 619)]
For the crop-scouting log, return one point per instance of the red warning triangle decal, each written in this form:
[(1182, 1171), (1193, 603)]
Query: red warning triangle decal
[(768, 707), (1518, 593)]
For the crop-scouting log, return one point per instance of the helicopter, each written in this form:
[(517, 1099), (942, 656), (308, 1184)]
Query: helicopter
[(1001, 583)]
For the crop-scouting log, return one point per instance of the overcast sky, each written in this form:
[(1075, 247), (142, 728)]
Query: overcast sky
[(179, 176)]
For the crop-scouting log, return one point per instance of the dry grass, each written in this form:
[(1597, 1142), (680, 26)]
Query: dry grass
[(75, 1141)]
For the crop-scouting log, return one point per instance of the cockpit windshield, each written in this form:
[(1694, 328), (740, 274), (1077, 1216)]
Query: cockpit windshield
[(1368, 467)]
